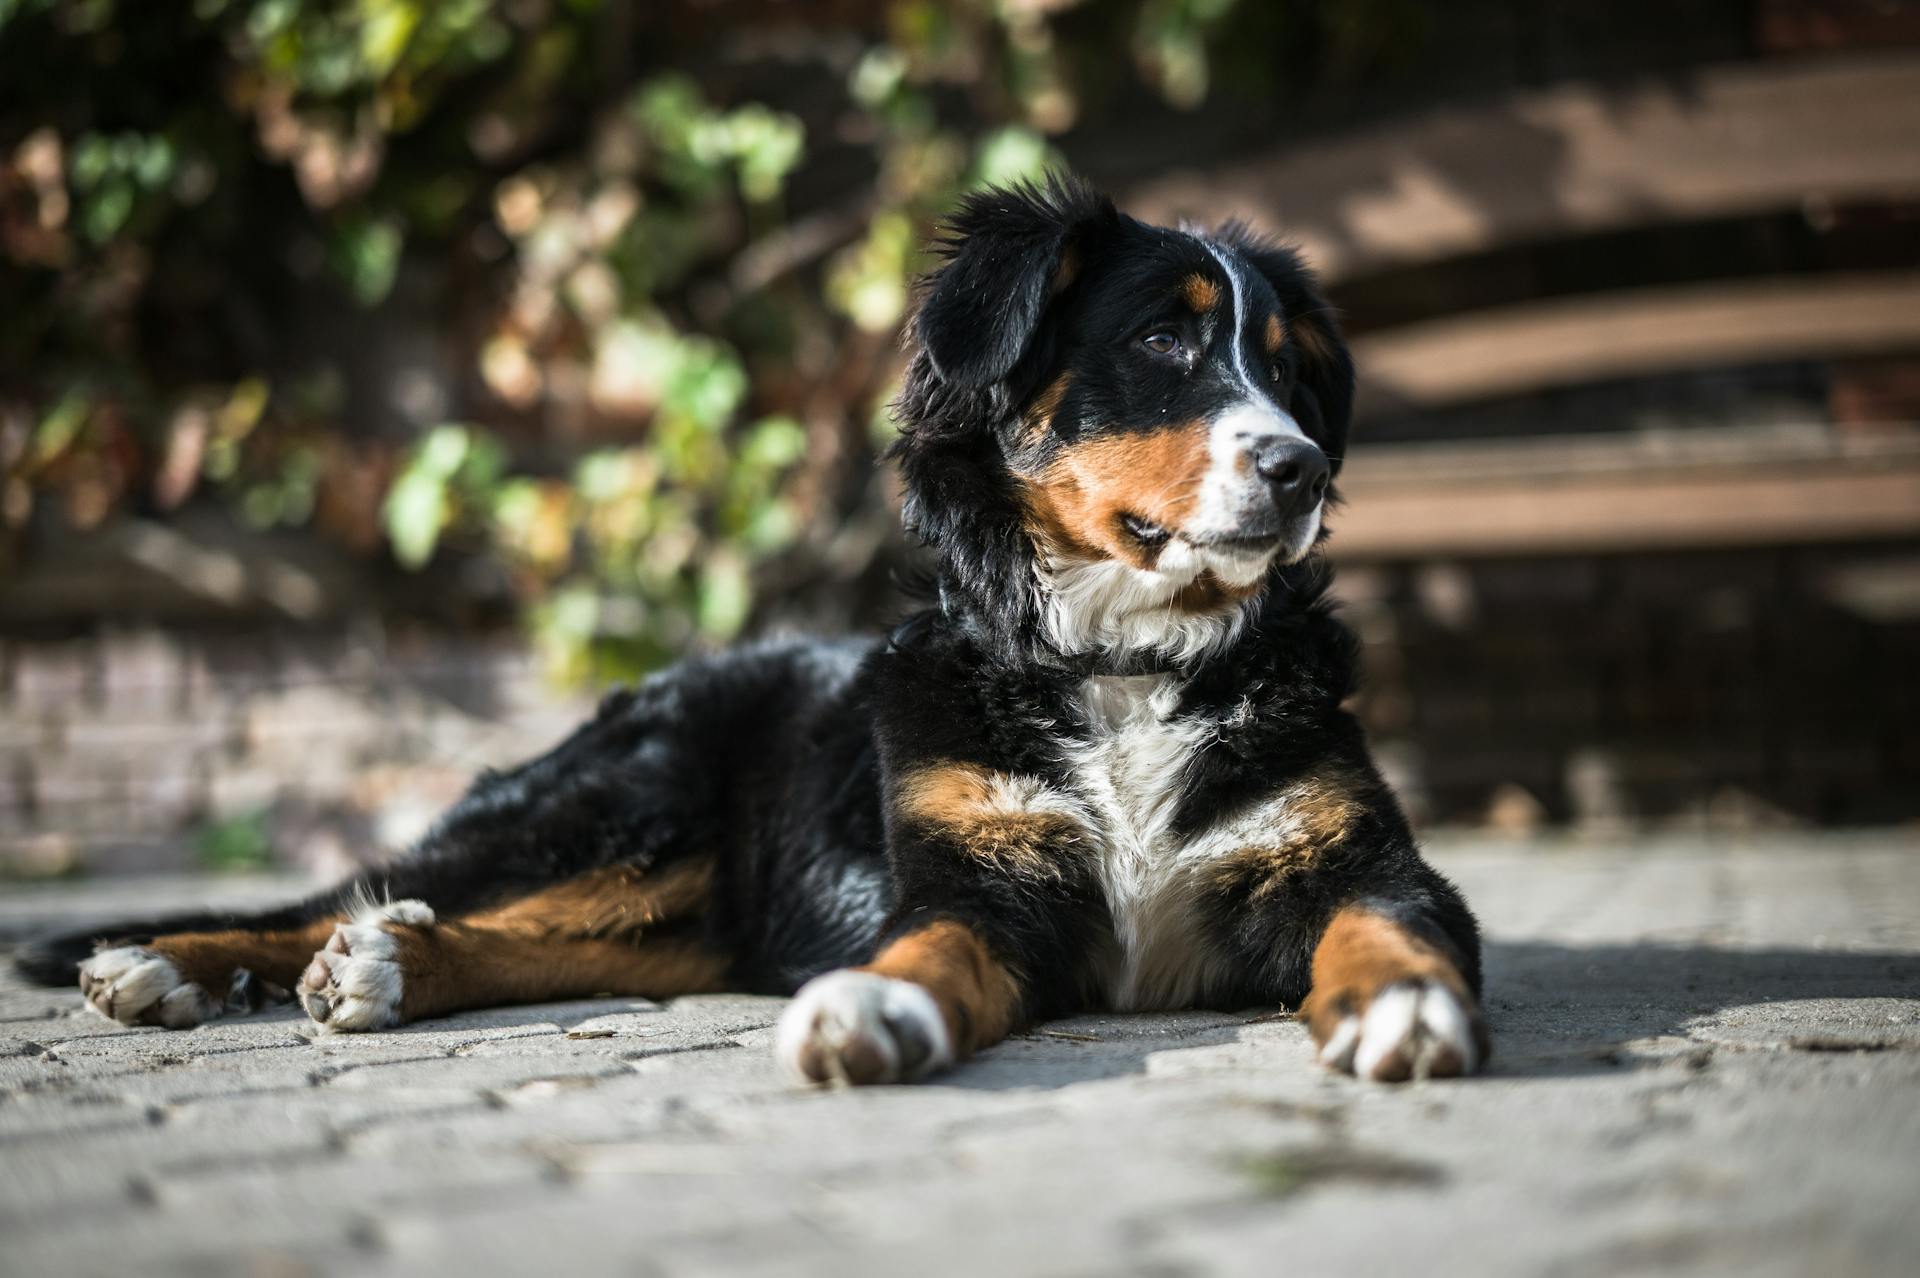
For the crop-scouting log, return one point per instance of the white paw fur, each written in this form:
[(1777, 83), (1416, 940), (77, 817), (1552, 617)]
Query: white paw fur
[(858, 1027), (136, 986), (409, 913), (355, 983), (1416, 1029)]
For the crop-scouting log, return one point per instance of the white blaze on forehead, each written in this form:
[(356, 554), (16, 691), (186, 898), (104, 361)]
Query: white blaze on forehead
[(1235, 431), (1238, 321)]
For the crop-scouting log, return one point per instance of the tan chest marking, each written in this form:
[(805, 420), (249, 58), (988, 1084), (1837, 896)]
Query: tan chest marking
[(1018, 824), (1292, 832), (1133, 775)]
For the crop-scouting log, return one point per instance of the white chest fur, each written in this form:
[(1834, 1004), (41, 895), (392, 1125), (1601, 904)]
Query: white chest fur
[(1130, 774)]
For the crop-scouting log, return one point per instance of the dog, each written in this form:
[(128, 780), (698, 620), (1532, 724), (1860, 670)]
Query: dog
[(1106, 767)]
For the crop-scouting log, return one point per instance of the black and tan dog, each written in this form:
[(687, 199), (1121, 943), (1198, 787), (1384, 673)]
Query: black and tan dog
[(1109, 768)]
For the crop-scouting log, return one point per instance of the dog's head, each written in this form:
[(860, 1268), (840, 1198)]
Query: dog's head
[(1161, 412)]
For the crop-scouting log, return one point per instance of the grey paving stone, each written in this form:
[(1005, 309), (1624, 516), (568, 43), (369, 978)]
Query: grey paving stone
[(1708, 1060)]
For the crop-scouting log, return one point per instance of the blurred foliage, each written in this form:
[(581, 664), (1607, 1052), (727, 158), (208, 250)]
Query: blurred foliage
[(237, 845), (527, 281)]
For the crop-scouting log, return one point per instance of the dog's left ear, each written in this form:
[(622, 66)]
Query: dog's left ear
[(1323, 397), (1009, 251)]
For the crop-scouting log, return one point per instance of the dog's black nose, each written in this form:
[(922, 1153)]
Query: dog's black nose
[(1296, 469)]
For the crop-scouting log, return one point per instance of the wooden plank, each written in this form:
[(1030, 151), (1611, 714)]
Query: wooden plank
[(1800, 26), (1578, 158), (1550, 458), (1523, 348), (1766, 504)]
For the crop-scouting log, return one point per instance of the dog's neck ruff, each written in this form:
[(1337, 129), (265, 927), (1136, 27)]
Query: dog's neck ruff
[(1108, 617)]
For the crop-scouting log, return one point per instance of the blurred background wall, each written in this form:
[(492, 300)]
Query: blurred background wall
[(378, 378)]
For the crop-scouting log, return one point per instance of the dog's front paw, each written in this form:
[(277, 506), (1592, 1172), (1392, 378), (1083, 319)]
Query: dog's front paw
[(356, 982), (137, 986), (1409, 1029), (856, 1027)]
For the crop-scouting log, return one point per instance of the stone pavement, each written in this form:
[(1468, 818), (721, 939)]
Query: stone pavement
[(1707, 1061)]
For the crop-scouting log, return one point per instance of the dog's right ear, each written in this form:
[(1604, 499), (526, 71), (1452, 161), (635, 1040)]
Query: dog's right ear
[(1009, 251)]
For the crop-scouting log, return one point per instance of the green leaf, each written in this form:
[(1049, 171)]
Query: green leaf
[(415, 511), (766, 146), (366, 257), (60, 427), (92, 158), (236, 844), (269, 18), (771, 527), (108, 210), (869, 282), (384, 34), (482, 465), (773, 443), (708, 385), (1011, 155), (153, 163), (877, 76), (603, 475), (574, 613), (516, 505), (442, 450), (726, 595)]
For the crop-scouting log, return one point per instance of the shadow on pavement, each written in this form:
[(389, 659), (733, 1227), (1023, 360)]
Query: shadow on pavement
[(1556, 1010), (1560, 1009)]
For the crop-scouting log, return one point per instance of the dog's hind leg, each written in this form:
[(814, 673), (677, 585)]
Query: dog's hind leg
[(185, 978), (612, 931), (527, 888), (183, 970), (179, 970)]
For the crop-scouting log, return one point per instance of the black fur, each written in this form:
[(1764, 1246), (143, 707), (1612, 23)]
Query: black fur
[(779, 760)]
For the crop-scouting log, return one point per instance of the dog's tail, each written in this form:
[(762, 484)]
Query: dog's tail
[(55, 959)]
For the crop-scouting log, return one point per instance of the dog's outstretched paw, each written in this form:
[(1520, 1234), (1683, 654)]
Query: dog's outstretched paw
[(1410, 1029), (857, 1027), (137, 986), (356, 982)]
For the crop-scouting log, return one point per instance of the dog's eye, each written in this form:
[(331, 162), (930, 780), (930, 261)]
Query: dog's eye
[(1161, 341)]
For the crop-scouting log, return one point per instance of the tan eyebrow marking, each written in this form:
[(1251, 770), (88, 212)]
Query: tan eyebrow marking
[(1313, 338), (1202, 294), (1276, 334), (1068, 271)]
